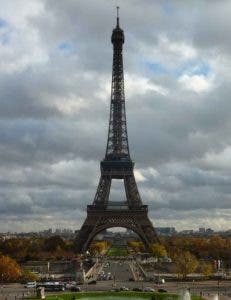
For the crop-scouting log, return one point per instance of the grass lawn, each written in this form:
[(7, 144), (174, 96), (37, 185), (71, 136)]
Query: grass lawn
[(117, 251), (113, 295)]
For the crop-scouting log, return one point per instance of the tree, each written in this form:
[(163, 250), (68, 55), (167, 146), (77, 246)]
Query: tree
[(158, 250), (205, 268), (136, 246), (9, 269), (99, 247), (54, 243), (185, 263), (27, 275)]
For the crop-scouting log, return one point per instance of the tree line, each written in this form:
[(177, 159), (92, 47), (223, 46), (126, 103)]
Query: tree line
[(39, 248), (24, 249), (188, 254)]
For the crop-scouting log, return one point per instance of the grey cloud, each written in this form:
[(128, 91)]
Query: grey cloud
[(54, 113)]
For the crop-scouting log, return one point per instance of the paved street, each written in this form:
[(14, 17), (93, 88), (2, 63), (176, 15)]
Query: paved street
[(207, 288), (14, 291), (122, 274)]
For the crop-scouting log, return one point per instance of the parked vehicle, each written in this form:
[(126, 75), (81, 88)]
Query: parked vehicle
[(148, 289), (135, 289), (30, 285), (92, 282), (162, 291), (75, 289), (52, 286), (124, 288), (160, 280)]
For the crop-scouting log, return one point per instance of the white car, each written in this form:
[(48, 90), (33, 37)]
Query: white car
[(30, 285), (124, 288), (148, 289)]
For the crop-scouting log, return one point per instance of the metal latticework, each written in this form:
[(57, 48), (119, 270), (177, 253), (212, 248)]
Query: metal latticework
[(117, 144), (117, 164)]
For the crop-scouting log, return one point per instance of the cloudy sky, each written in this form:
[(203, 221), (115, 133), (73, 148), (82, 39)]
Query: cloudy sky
[(55, 75)]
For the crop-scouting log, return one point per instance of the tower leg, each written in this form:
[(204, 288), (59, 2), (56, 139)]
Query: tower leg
[(103, 191), (132, 193)]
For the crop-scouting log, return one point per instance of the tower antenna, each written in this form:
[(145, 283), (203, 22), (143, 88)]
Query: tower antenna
[(117, 8)]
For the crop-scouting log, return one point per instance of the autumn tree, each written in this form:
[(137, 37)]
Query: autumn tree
[(27, 275), (185, 263), (99, 247), (9, 269), (158, 250), (136, 246), (206, 268), (54, 243)]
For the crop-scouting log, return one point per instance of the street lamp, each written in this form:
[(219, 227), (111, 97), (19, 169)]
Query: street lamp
[(218, 286)]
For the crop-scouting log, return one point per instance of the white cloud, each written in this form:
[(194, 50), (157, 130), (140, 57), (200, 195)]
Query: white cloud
[(139, 176), (54, 109), (18, 12), (181, 49), (220, 160), (22, 47), (137, 85), (196, 83)]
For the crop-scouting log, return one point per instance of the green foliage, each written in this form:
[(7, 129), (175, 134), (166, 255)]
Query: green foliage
[(158, 250), (136, 246), (104, 295), (27, 275), (117, 251)]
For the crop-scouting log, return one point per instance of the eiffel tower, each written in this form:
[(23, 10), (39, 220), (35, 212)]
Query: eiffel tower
[(117, 164)]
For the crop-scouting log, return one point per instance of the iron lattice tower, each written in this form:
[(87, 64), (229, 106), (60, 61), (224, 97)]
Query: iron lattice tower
[(117, 164)]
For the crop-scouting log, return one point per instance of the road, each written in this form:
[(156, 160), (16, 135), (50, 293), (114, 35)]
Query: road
[(122, 272), (14, 291), (206, 288)]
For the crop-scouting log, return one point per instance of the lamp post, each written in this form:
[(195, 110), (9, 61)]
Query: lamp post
[(218, 286), (2, 276)]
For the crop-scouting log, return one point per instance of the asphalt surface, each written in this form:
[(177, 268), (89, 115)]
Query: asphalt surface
[(122, 276), (208, 289)]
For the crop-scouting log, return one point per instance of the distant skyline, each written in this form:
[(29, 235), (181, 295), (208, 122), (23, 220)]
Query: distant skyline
[(202, 230), (55, 77)]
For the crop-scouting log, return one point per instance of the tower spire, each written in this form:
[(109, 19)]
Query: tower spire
[(117, 8)]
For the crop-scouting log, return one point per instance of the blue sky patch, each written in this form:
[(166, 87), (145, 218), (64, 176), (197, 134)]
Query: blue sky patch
[(156, 68), (194, 68), (5, 32), (3, 23), (168, 8), (66, 47)]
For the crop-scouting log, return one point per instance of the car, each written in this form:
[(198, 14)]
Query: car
[(75, 289), (148, 289), (52, 286), (30, 285), (92, 282), (160, 281), (162, 291), (124, 288), (115, 290), (135, 289)]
